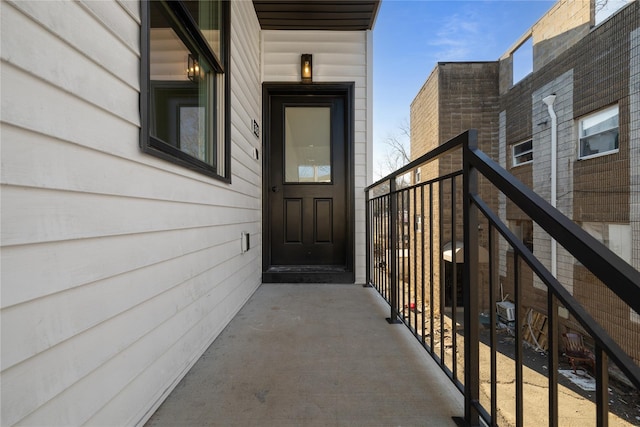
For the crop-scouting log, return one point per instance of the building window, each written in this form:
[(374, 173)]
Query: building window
[(184, 88), (522, 60), (599, 133), (616, 237), (522, 153), (604, 9), (523, 229)]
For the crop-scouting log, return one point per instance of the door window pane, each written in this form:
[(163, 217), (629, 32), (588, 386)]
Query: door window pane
[(307, 154)]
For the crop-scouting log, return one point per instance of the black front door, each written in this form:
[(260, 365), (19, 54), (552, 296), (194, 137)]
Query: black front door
[(307, 203)]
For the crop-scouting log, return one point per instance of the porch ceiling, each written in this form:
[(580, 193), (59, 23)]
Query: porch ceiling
[(339, 15)]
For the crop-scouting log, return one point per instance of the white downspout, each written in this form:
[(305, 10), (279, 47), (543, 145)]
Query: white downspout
[(549, 100)]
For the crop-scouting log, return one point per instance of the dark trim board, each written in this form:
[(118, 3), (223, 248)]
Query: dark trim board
[(307, 273)]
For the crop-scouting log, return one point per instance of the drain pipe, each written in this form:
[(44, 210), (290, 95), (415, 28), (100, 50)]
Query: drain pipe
[(549, 100)]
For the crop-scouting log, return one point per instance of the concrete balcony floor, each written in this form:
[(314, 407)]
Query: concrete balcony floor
[(313, 355)]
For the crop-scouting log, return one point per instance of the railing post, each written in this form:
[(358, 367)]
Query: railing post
[(368, 240), (393, 246), (471, 311), (602, 387)]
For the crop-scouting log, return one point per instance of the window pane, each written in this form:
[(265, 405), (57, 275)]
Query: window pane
[(524, 158), (591, 127), (182, 85), (192, 131), (521, 148), (208, 16), (307, 154), (522, 153), (599, 132), (599, 143)]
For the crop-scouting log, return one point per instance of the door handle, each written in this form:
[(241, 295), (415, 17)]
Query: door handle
[(275, 189)]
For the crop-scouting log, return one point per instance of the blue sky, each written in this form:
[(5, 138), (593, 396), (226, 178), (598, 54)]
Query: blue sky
[(411, 36)]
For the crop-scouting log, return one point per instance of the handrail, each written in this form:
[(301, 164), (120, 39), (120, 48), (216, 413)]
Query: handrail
[(437, 152)]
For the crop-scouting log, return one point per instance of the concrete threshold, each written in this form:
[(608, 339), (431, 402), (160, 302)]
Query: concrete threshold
[(313, 355)]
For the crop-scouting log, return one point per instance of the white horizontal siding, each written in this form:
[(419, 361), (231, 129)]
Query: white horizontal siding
[(338, 56), (118, 268), (246, 98)]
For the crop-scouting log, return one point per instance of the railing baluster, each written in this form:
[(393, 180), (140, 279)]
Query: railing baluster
[(471, 292), (415, 262), (377, 239), (492, 330), (602, 387), (431, 290), (518, 341), (422, 261), (454, 279), (441, 288), (393, 246), (388, 252), (552, 336), (402, 258), (367, 237), (385, 227)]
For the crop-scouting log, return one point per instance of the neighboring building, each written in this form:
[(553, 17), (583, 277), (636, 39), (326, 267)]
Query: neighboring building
[(139, 198), (591, 66)]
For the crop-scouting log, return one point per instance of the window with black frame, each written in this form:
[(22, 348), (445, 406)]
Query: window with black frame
[(184, 89)]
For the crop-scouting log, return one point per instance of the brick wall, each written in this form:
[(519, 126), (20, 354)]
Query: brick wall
[(596, 71), (566, 23), (425, 133), (588, 69), (634, 148)]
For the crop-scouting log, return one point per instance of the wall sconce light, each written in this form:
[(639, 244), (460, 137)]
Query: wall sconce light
[(306, 68), (194, 72)]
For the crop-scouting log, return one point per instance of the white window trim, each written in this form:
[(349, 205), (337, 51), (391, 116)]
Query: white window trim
[(514, 163), (592, 115)]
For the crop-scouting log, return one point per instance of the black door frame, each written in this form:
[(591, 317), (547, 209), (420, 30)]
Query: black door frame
[(308, 275)]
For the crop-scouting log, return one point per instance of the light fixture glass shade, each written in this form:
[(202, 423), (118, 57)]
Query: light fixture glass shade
[(306, 68), (194, 72)]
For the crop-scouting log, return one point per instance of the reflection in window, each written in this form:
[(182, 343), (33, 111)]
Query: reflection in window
[(208, 16), (186, 84), (179, 79), (314, 173), (307, 155)]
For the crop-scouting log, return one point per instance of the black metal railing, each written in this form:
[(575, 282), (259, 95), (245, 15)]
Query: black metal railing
[(434, 222)]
